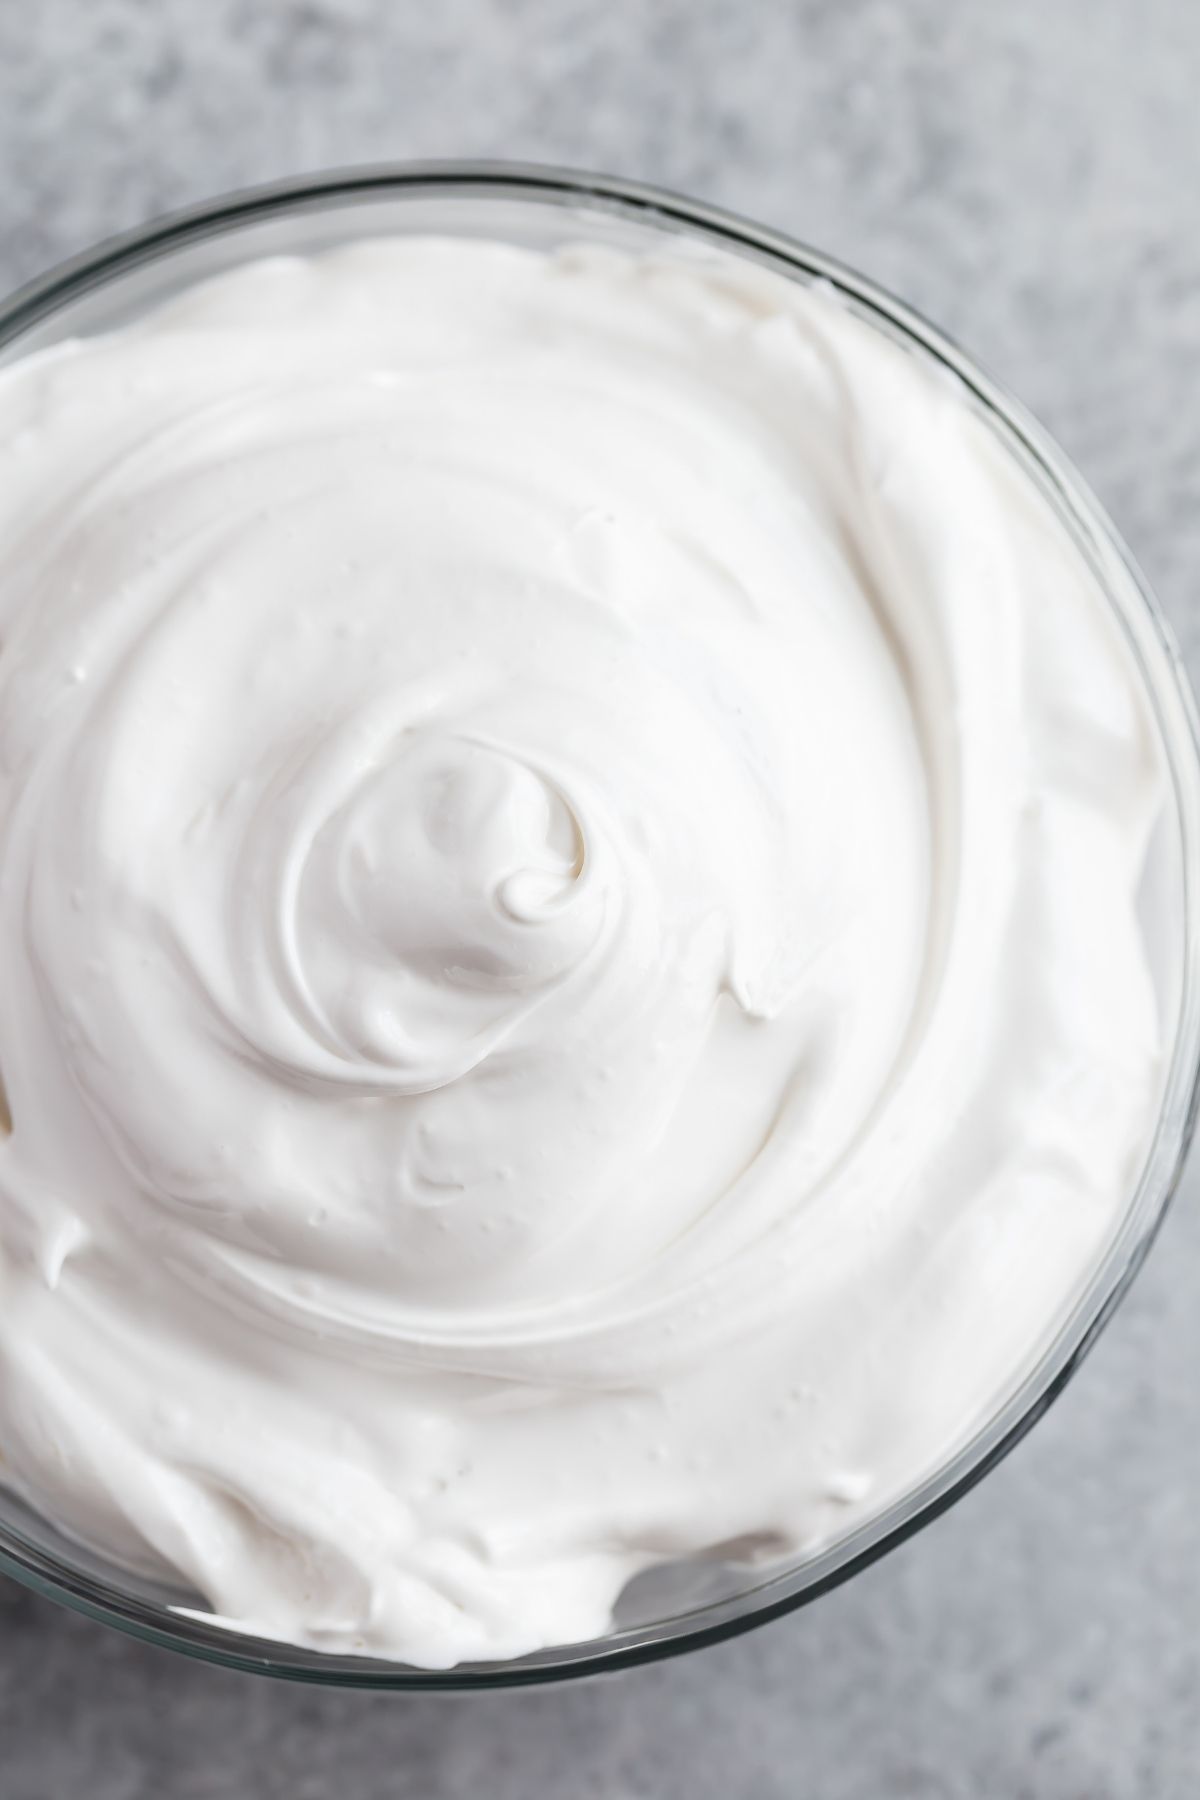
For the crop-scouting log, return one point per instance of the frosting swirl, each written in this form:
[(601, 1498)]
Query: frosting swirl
[(549, 1021)]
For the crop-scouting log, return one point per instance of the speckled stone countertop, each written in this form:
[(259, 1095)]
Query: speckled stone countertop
[(1027, 173)]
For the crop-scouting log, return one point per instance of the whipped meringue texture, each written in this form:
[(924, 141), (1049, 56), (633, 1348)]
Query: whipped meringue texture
[(570, 828)]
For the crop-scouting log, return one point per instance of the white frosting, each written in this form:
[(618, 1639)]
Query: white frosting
[(569, 832)]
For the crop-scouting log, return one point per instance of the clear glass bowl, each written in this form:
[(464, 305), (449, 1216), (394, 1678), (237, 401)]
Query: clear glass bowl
[(686, 1606)]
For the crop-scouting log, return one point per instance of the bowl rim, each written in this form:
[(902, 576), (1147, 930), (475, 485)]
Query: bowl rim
[(1168, 689)]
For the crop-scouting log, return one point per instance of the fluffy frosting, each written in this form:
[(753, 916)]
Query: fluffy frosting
[(569, 835)]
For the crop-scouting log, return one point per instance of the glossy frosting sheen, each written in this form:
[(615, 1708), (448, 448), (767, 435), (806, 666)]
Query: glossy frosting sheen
[(572, 995)]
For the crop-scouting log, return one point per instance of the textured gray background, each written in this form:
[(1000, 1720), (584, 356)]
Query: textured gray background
[(1028, 172)]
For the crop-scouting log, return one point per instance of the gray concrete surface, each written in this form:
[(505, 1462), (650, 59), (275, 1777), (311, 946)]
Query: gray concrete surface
[(1028, 171)]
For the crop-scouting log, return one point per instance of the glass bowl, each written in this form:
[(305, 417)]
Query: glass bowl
[(688, 1605)]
